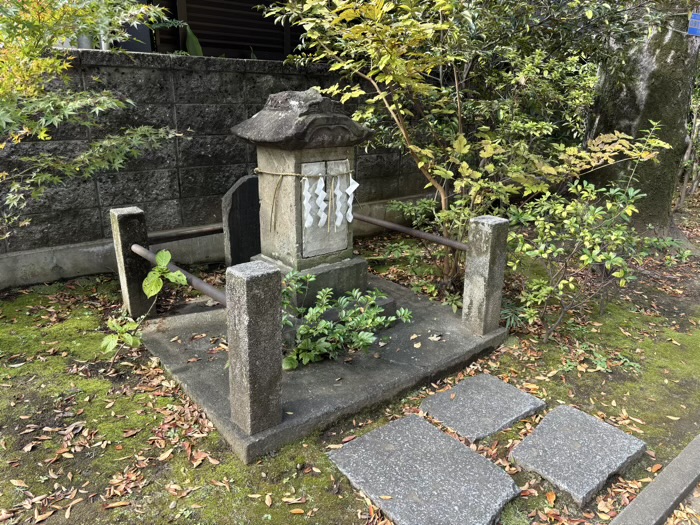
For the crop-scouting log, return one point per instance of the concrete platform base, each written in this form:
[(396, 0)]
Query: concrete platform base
[(342, 276), (318, 395)]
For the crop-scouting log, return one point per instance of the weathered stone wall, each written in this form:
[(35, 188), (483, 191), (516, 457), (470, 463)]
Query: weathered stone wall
[(182, 184)]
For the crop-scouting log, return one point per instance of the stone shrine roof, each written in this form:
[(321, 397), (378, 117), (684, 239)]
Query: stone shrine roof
[(293, 120)]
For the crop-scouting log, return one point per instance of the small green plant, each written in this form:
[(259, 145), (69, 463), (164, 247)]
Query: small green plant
[(125, 330), (586, 354), (513, 315), (125, 333), (153, 283), (319, 335)]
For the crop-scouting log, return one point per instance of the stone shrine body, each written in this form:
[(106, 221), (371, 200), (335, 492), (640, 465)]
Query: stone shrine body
[(305, 155)]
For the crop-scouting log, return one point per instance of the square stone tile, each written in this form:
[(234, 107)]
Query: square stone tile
[(429, 477), (577, 452), (481, 406)]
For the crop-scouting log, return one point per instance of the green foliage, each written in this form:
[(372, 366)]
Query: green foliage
[(125, 331), (153, 283), (320, 336), (192, 44), (36, 97), (488, 98), (585, 243)]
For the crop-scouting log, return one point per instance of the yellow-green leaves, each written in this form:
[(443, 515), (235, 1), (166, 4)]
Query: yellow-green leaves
[(460, 145)]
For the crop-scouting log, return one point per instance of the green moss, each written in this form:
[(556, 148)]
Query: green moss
[(43, 387)]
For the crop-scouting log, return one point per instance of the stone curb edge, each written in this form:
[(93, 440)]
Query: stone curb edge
[(659, 499)]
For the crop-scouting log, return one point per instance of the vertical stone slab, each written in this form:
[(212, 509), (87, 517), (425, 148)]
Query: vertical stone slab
[(485, 268), (129, 227), (241, 216), (254, 319)]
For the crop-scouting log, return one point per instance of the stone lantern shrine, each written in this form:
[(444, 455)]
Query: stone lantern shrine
[(305, 155)]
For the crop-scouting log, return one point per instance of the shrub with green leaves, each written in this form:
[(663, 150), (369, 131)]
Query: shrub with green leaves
[(583, 242), (37, 96), (318, 335), (488, 98)]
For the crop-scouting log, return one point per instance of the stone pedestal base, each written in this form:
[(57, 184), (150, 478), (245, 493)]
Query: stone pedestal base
[(342, 276)]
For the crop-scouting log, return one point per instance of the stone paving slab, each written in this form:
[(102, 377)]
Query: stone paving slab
[(429, 477), (315, 396), (577, 452), (659, 499), (481, 406)]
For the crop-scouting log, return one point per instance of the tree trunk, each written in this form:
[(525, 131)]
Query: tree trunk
[(655, 84)]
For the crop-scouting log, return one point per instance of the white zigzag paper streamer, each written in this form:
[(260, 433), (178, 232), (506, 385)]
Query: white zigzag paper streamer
[(339, 202), (321, 202), (351, 196), (308, 205)]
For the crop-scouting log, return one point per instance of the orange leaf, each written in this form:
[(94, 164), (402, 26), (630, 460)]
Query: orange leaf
[(296, 511), (657, 467), (551, 498), (116, 505)]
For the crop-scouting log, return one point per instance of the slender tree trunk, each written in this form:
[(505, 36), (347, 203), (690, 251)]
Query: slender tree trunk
[(655, 84)]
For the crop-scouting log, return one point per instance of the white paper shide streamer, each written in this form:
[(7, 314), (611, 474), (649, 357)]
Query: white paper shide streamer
[(315, 191), (321, 201), (307, 203), (350, 191)]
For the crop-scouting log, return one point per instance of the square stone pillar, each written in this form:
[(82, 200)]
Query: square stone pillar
[(254, 319), (129, 227), (485, 269)]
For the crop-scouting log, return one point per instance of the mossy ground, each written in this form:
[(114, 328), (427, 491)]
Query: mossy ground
[(636, 366)]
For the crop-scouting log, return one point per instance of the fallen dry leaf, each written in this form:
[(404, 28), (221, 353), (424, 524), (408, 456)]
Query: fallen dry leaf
[(165, 455), (551, 498), (38, 518), (116, 504)]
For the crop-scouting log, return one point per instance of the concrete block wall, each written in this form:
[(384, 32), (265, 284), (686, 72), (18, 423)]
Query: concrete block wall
[(182, 183)]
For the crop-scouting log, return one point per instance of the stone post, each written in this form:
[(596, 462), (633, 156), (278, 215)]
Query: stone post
[(254, 319), (129, 227), (485, 269)]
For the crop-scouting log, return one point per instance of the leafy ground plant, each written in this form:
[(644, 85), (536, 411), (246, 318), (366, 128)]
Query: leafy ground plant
[(125, 331), (332, 326)]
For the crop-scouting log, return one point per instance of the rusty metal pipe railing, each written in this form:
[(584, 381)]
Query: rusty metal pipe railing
[(195, 282), (413, 233), (185, 233)]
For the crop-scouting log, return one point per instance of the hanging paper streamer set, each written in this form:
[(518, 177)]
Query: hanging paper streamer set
[(328, 193)]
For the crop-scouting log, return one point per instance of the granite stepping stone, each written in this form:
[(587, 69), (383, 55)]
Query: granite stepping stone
[(481, 406), (418, 475), (577, 452)]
